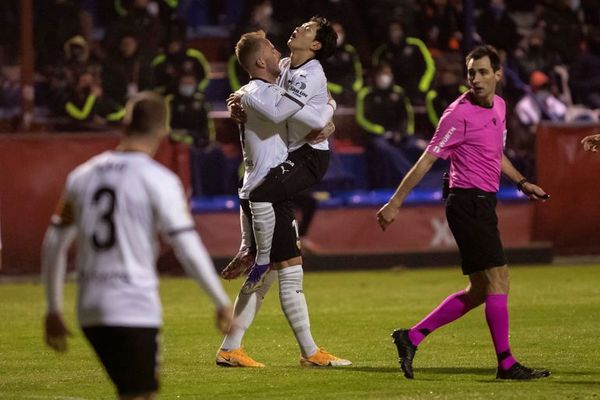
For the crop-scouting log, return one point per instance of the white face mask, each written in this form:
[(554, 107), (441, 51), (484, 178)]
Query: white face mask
[(575, 4), (383, 81), (187, 90), (152, 9), (268, 11), (340, 40)]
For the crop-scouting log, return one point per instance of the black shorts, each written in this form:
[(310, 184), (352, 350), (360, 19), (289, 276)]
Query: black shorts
[(303, 169), (286, 243), (129, 355), (472, 218)]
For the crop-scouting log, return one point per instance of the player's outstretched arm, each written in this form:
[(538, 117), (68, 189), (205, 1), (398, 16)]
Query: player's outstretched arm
[(534, 192), (272, 103), (387, 214), (176, 225), (591, 143), (54, 263), (316, 115), (197, 263)]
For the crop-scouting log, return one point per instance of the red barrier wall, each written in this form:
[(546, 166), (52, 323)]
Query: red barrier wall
[(355, 230), (33, 169), (571, 219)]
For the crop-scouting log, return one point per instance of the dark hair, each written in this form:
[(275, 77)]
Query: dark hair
[(482, 51), (326, 36), (380, 67), (145, 113)]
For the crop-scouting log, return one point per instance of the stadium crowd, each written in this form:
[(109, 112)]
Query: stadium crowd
[(398, 64)]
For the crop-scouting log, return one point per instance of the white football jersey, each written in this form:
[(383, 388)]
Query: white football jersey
[(118, 201), (264, 143), (305, 84)]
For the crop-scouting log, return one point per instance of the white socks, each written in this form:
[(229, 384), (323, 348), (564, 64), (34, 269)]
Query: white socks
[(245, 309), (293, 304), (247, 234), (263, 220)]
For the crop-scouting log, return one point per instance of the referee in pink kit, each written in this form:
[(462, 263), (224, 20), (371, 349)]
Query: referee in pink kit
[(472, 134)]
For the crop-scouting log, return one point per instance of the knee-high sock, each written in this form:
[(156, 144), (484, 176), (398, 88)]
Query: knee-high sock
[(263, 222), (246, 230), (293, 304), (496, 315), (455, 306), (245, 309)]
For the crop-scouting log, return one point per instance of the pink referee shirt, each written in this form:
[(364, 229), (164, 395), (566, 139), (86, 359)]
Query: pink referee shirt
[(473, 137)]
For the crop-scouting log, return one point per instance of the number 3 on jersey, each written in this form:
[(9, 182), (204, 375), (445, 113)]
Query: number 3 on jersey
[(105, 234)]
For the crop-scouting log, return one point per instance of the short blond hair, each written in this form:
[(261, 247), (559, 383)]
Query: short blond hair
[(247, 47)]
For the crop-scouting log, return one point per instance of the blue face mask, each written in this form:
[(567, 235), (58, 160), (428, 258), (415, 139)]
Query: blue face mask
[(187, 90)]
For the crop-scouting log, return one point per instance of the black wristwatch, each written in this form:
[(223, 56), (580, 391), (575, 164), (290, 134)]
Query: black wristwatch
[(521, 183)]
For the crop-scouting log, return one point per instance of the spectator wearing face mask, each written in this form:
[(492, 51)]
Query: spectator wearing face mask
[(410, 60), (343, 69), (385, 114), (178, 60), (189, 113), (212, 172)]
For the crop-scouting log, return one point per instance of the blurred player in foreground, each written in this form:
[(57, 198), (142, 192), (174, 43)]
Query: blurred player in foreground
[(114, 204)]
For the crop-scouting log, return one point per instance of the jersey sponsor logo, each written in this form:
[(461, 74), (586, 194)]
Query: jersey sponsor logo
[(298, 89), (444, 140), (97, 276)]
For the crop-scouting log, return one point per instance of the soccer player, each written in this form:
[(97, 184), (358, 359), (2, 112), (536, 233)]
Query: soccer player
[(471, 133), (591, 142), (305, 83), (114, 204), (264, 145)]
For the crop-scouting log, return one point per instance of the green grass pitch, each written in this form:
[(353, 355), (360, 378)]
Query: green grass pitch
[(554, 314)]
